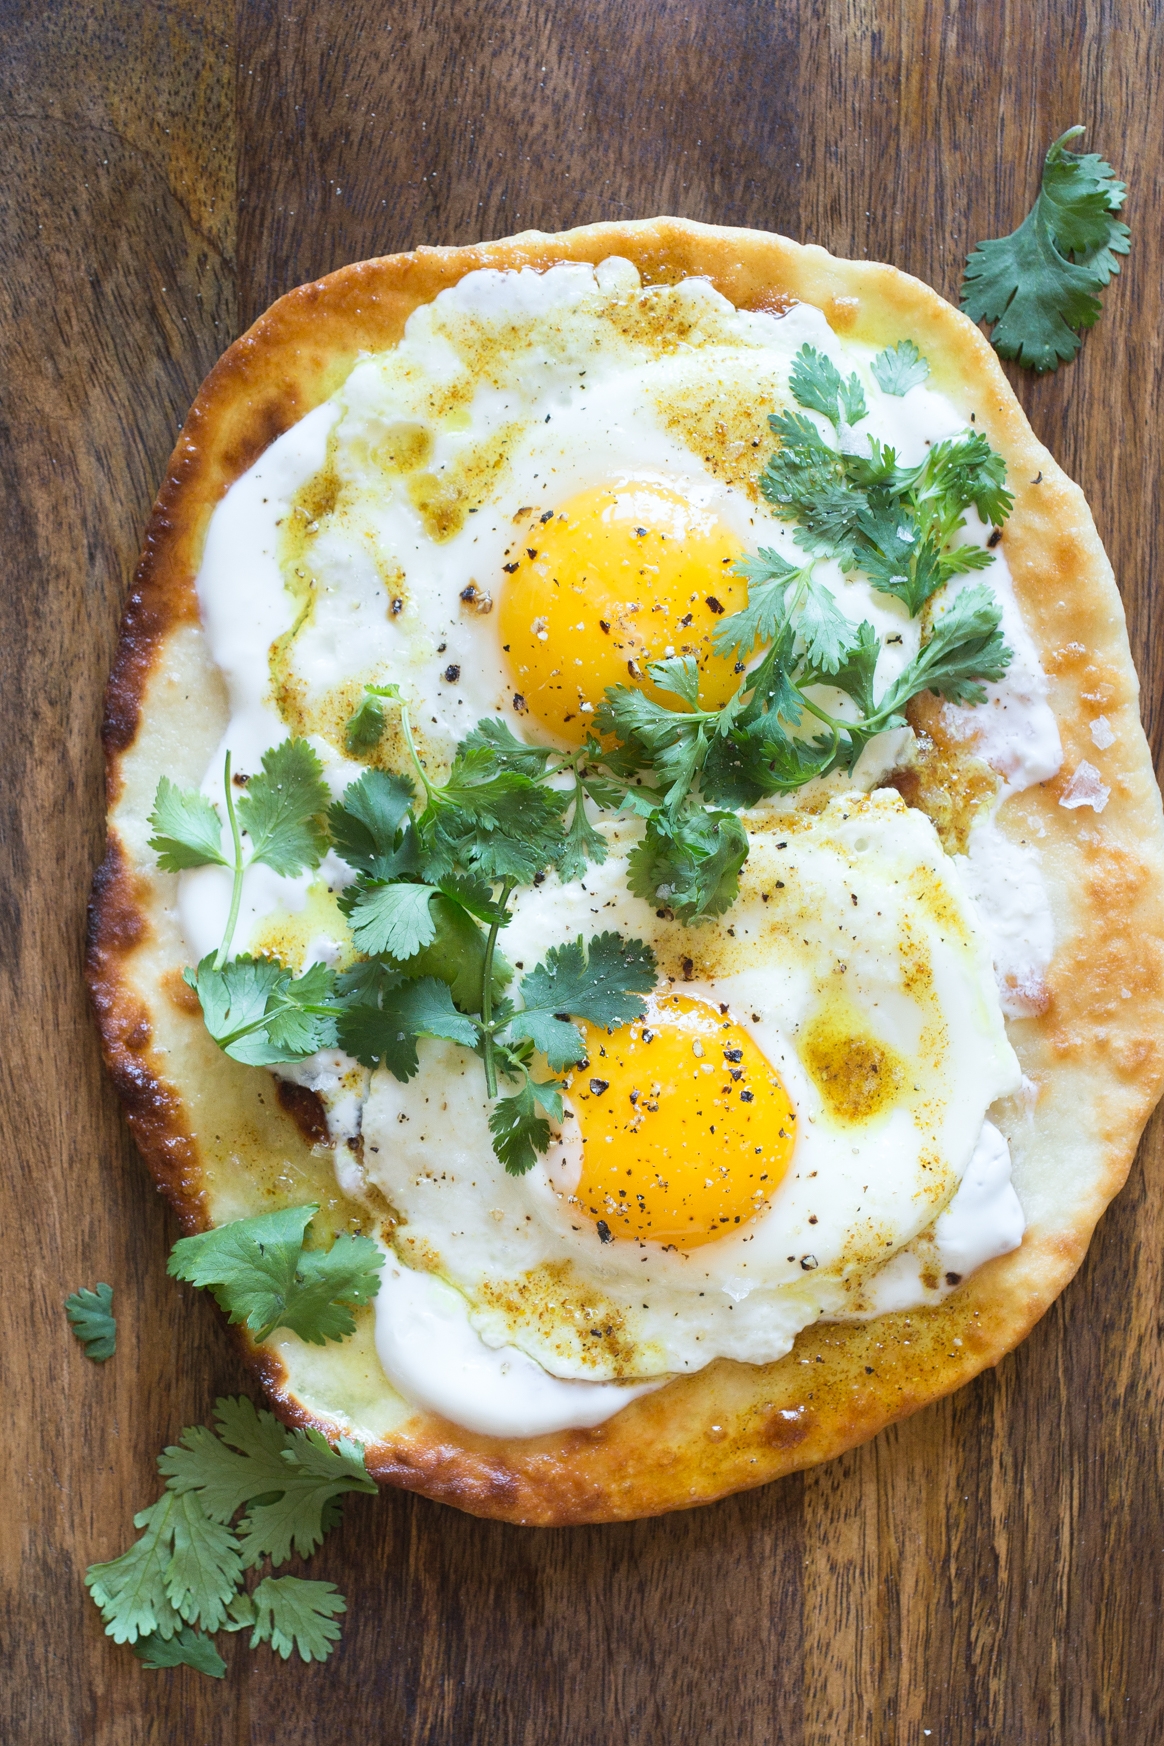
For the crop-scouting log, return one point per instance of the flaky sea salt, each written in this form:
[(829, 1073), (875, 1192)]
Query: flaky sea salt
[(1085, 788)]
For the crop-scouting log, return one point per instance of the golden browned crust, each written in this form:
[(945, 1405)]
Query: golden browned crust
[(216, 1143)]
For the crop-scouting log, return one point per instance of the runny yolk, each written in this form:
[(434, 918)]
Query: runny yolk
[(617, 577), (686, 1127)]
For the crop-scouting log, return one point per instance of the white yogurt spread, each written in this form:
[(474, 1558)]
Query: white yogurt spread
[(433, 1357)]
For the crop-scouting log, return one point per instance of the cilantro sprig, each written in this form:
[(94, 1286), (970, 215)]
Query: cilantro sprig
[(1040, 285), (746, 750), (435, 866), (599, 983), (896, 525), (255, 1010), (184, 1576)]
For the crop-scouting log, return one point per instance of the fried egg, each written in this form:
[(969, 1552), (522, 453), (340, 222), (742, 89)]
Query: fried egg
[(800, 1100), (547, 485), (544, 487)]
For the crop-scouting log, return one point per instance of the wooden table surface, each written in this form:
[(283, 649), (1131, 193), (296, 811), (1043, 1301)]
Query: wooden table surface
[(989, 1571)]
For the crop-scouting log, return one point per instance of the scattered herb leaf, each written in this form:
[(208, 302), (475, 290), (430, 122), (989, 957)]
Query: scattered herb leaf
[(1040, 285), (187, 1568), (91, 1316), (294, 1613), (186, 1648)]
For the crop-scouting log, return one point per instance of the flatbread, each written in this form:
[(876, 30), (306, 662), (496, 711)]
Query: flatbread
[(224, 1141)]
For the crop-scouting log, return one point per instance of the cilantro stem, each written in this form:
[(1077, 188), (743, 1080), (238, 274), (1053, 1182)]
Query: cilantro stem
[(406, 728), (272, 1013), (488, 1051), (236, 892), (831, 722)]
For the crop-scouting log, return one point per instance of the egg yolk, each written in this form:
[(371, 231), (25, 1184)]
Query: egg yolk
[(619, 576), (686, 1127)]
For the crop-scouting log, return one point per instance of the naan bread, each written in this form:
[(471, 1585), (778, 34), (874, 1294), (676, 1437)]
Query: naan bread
[(224, 1141)]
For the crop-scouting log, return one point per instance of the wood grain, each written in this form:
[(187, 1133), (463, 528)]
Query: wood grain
[(987, 1571)]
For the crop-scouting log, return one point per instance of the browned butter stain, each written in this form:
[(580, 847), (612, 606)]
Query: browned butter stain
[(856, 1075)]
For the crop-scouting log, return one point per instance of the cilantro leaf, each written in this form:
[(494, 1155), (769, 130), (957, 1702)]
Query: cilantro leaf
[(854, 671), (365, 726), (235, 1002), (131, 1590), (963, 558), (680, 675), (822, 626), (810, 483), (690, 863), (1081, 193), (509, 753), (187, 829), (896, 557), (583, 843), (781, 596), (304, 1021), (474, 897), (91, 1316), (281, 809), (671, 743), (186, 1648), (783, 764), (258, 1013), (184, 1568), (771, 580), (491, 821), (395, 919), (633, 716), (803, 440), (249, 1264), (758, 756), (1040, 284), (456, 954), (601, 983), (328, 1282), (384, 1015), (769, 690), (366, 824), (292, 1613), (816, 383), (240, 1613), (519, 1133), (205, 1569), (314, 1477), (957, 472), (899, 368), (261, 1275)]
